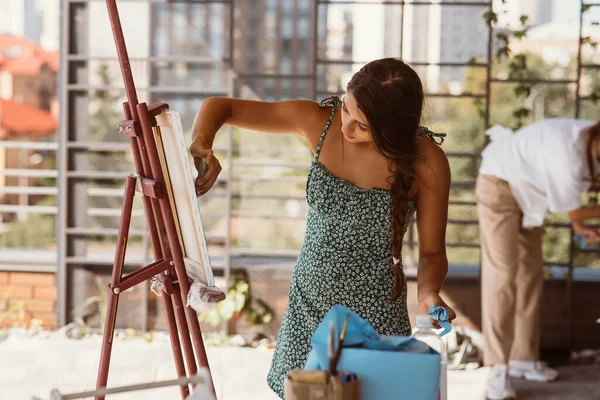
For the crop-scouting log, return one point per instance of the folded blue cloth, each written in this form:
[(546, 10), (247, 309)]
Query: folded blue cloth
[(442, 316), (389, 367), (359, 333)]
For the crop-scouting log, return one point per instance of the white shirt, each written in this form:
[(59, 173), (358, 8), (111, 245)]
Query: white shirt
[(544, 163)]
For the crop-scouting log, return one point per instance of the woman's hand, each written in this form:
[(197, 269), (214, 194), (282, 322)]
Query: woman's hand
[(208, 167), (434, 299)]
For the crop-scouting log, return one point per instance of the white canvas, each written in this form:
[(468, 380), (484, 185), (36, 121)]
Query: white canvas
[(179, 179)]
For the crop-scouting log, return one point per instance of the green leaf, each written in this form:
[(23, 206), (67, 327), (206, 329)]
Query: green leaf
[(268, 317), (227, 309), (517, 66), (585, 7), (472, 61), (522, 90), (490, 17), (595, 23), (522, 112), (502, 36), (502, 52), (241, 286), (524, 19), (213, 318), (240, 301), (520, 34), (521, 59)]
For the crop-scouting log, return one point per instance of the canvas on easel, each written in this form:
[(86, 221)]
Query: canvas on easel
[(180, 185)]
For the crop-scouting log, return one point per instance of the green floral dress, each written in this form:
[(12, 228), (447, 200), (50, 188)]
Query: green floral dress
[(345, 259)]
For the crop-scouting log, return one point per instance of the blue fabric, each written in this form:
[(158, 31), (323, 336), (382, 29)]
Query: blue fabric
[(580, 240), (442, 316), (389, 367)]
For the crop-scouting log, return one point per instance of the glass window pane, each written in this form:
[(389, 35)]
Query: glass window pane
[(359, 32)]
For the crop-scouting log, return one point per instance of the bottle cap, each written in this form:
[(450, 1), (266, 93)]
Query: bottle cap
[(424, 321)]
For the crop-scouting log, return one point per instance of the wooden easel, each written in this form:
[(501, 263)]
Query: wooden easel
[(168, 267)]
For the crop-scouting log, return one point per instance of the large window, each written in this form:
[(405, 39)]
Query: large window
[(481, 65)]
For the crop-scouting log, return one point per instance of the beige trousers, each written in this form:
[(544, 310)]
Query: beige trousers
[(512, 276)]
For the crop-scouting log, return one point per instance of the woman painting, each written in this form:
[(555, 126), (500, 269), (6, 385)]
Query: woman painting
[(373, 167)]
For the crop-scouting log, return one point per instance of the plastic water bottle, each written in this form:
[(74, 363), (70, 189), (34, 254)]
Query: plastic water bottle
[(426, 334)]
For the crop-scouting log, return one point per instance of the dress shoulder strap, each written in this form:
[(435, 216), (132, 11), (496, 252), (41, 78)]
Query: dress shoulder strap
[(334, 102), (434, 136)]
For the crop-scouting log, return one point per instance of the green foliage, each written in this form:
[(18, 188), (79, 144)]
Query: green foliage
[(14, 315), (595, 92), (37, 231), (512, 104), (490, 17), (588, 40), (239, 301), (524, 19)]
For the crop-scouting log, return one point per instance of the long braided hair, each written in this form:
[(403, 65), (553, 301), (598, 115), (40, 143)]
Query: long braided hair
[(390, 95)]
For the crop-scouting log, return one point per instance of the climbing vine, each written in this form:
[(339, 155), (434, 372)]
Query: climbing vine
[(518, 70), (517, 64)]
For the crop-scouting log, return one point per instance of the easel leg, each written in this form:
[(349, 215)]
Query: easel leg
[(185, 332), (175, 344), (113, 295)]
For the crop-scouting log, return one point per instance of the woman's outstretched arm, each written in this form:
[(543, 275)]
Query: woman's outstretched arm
[(302, 117), (432, 174)]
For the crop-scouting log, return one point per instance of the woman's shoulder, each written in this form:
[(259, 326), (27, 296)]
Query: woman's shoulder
[(431, 163)]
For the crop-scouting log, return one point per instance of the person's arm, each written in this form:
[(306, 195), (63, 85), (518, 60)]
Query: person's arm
[(433, 180), (292, 116), (584, 213), (302, 117), (577, 216)]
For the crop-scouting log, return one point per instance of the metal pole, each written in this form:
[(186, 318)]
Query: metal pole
[(196, 379), (569, 283), (62, 166)]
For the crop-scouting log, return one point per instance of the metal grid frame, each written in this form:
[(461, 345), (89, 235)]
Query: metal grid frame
[(68, 176), (71, 230)]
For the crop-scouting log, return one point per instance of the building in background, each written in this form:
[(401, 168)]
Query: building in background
[(21, 18), (274, 38), (50, 24), (28, 111), (447, 34), (538, 12), (28, 74)]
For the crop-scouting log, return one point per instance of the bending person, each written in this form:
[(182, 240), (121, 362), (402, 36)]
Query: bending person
[(542, 168)]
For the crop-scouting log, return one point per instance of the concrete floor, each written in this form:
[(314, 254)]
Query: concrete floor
[(35, 365)]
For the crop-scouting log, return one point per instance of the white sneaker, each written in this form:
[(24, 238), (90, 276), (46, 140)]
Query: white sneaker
[(498, 384), (532, 371)]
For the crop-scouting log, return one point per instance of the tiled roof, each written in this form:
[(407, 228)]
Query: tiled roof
[(21, 119)]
